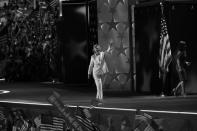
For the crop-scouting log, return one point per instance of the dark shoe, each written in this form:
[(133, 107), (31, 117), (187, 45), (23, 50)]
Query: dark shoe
[(93, 102), (99, 102), (174, 92), (183, 91), (183, 94)]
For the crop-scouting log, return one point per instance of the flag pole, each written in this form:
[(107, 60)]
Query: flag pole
[(165, 51), (163, 71), (60, 8), (163, 83)]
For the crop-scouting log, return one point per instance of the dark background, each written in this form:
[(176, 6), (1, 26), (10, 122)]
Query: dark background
[(181, 24), (147, 32), (73, 27)]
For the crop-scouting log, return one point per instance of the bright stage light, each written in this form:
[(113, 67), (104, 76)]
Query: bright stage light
[(4, 91), (81, 10)]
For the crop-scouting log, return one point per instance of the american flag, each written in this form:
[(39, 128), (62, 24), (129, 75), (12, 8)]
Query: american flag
[(83, 117), (53, 3), (87, 123), (145, 122), (20, 125), (3, 39), (2, 119), (50, 123), (2, 115), (35, 14), (24, 126), (165, 49)]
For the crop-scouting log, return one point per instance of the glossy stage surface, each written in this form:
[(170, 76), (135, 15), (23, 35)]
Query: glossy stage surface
[(173, 113), (37, 93)]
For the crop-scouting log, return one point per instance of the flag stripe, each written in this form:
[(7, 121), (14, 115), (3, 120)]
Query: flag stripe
[(55, 123), (165, 48), (88, 124), (143, 122), (3, 39), (53, 3), (85, 123), (24, 126), (2, 115)]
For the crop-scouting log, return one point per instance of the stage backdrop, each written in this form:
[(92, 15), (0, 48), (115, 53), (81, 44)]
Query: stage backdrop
[(183, 26), (72, 33), (113, 28), (181, 23), (147, 36)]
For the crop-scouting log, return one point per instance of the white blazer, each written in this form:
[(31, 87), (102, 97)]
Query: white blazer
[(98, 65)]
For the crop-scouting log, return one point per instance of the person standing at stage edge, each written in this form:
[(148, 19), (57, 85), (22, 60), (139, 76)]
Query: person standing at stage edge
[(182, 64), (98, 68)]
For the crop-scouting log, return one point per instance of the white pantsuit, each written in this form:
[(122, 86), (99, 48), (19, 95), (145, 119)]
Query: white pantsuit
[(98, 68)]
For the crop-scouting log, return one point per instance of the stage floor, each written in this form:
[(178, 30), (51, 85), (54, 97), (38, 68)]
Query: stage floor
[(37, 93)]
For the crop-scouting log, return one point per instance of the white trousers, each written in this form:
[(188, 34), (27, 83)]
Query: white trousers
[(99, 85)]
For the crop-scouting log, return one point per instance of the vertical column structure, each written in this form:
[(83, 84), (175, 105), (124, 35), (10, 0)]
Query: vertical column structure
[(113, 29), (133, 48)]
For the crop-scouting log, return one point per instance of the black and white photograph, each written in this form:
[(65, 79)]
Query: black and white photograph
[(98, 65)]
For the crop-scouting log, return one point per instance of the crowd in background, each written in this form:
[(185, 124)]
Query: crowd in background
[(28, 40)]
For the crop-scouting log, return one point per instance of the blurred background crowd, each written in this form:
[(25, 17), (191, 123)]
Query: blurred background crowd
[(28, 40)]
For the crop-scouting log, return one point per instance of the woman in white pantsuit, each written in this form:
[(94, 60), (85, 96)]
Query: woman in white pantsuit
[(98, 68)]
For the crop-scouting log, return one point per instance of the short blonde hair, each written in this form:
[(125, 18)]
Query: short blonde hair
[(96, 46)]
